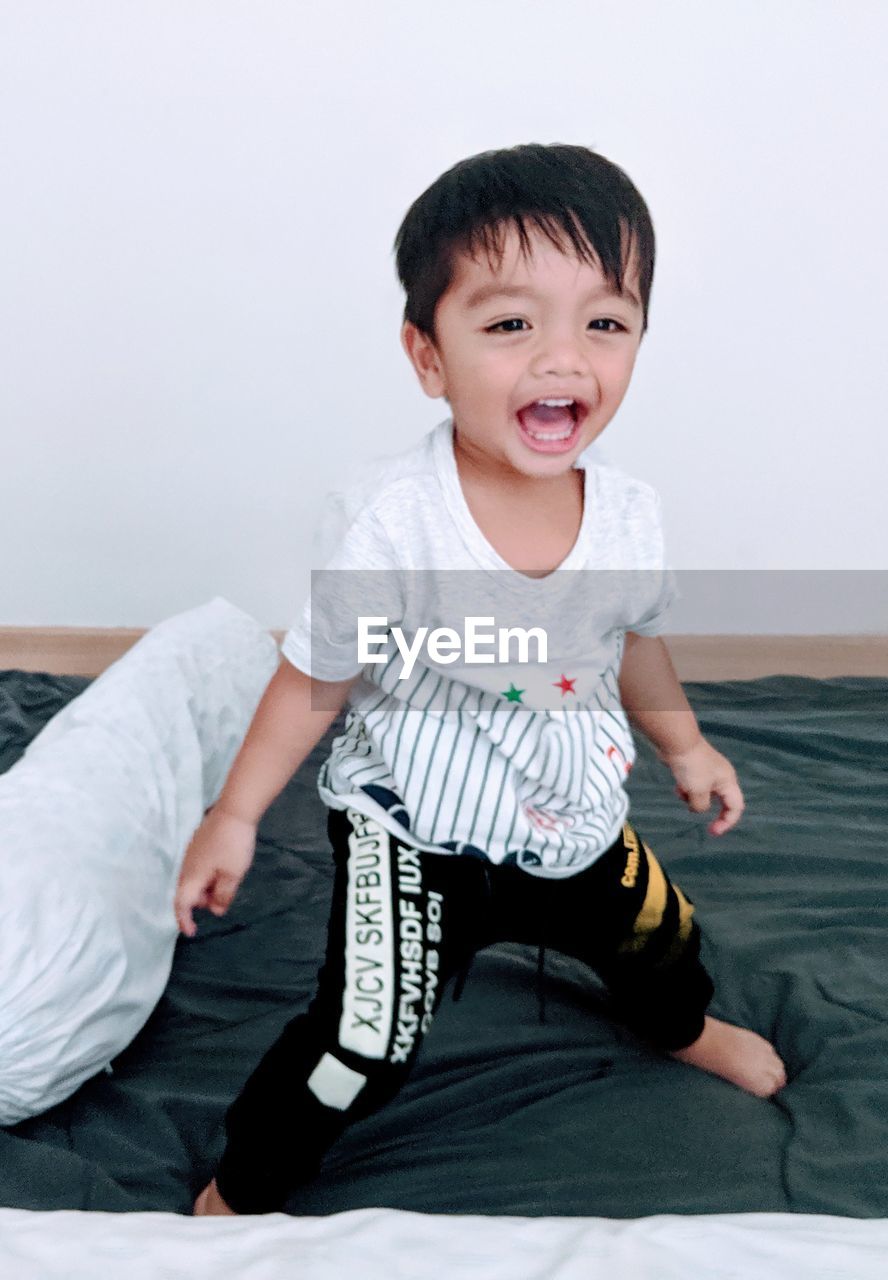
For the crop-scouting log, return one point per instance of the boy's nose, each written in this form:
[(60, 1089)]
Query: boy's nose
[(563, 357), (565, 366)]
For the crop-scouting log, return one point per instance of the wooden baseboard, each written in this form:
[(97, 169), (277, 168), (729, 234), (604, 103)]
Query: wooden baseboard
[(87, 651), (65, 651), (750, 657)]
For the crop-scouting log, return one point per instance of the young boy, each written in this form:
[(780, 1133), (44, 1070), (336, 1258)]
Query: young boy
[(476, 802)]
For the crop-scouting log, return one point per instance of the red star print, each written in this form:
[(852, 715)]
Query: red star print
[(565, 685)]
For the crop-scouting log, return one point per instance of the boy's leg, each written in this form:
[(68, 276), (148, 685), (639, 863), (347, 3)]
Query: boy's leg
[(634, 926), (401, 923), (625, 918), (651, 962)]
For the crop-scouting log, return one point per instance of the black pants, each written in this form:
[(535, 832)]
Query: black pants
[(402, 922)]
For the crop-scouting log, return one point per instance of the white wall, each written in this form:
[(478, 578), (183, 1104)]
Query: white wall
[(199, 312)]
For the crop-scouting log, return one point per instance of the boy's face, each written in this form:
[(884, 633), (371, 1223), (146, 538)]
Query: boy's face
[(566, 336)]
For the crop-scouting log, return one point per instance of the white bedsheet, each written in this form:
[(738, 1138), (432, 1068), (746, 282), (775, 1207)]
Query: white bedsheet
[(389, 1244)]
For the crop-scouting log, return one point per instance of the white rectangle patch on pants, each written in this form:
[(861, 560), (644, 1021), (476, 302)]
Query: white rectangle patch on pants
[(335, 1084)]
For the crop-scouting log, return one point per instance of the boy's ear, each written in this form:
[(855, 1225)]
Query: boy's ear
[(423, 356)]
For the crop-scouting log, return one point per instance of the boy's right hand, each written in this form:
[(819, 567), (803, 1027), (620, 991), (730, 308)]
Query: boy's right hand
[(215, 863)]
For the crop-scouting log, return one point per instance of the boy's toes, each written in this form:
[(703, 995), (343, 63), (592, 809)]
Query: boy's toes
[(767, 1085), (769, 1078), (737, 1054)]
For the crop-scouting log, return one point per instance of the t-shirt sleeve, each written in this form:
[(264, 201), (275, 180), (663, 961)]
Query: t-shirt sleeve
[(665, 593), (657, 589), (360, 581)]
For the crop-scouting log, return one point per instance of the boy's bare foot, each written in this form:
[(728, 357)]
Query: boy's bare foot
[(210, 1202), (738, 1055)]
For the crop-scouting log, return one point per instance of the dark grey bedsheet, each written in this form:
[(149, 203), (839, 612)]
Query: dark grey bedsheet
[(504, 1115)]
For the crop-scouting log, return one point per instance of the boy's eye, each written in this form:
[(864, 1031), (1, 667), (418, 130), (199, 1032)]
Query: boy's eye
[(515, 320)]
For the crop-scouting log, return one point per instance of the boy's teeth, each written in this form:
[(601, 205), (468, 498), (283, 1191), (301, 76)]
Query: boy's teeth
[(549, 435), (550, 420)]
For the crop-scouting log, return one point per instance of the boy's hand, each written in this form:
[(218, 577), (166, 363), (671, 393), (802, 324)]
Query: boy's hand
[(210, 1202), (702, 772), (215, 863)]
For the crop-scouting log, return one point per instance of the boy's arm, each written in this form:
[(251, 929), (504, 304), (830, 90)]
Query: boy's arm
[(655, 702), (292, 717), (653, 698)]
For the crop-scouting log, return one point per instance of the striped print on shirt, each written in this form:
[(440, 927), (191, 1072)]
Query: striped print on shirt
[(472, 768)]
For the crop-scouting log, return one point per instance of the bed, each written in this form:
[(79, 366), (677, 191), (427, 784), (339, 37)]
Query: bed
[(558, 1149)]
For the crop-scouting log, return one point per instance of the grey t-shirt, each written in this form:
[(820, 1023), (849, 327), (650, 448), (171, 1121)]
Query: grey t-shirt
[(516, 759)]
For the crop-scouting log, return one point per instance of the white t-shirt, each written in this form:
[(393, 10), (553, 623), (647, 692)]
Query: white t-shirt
[(513, 759)]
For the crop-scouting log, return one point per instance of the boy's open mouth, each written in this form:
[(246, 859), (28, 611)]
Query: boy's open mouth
[(551, 424)]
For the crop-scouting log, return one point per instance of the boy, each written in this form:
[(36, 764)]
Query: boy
[(463, 812)]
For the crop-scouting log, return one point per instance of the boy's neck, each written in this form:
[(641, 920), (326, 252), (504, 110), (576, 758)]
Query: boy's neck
[(531, 522)]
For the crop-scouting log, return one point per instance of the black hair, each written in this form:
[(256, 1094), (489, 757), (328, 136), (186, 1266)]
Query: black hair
[(554, 187)]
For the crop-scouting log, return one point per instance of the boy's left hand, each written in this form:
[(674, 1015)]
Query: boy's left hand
[(702, 772)]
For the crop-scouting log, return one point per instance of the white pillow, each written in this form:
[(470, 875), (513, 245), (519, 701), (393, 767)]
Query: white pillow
[(94, 821)]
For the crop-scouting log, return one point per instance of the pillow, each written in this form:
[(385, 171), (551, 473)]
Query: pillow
[(95, 819)]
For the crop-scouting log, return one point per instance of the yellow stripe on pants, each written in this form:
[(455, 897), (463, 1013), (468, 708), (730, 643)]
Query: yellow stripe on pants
[(651, 914), (685, 912)]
